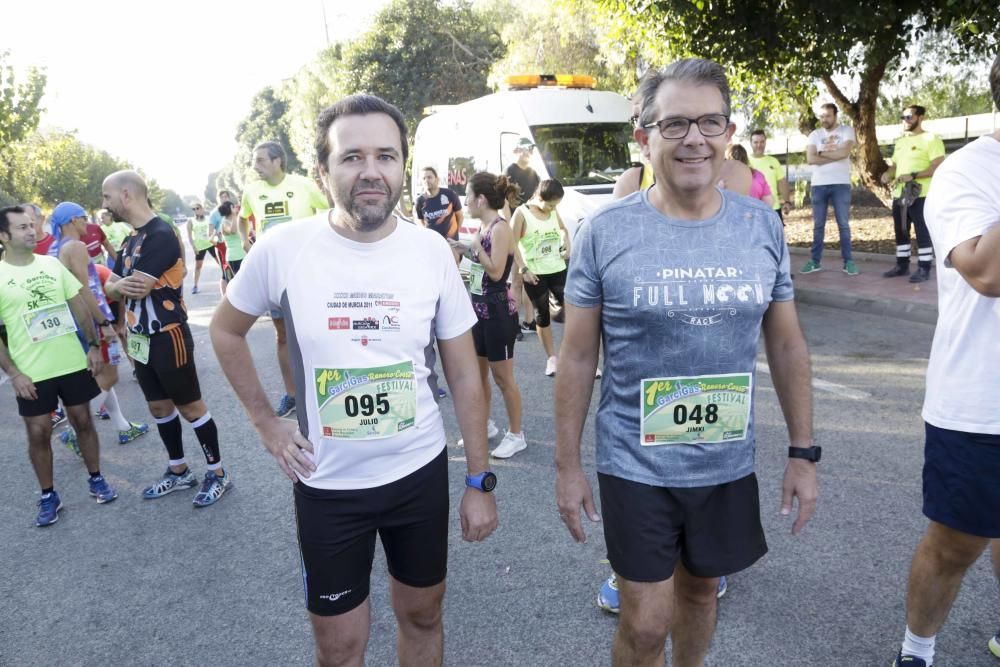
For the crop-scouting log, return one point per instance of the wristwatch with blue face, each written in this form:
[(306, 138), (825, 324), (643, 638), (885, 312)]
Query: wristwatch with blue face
[(484, 481)]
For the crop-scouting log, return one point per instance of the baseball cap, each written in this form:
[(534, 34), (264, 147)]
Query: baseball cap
[(524, 142), (64, 212)]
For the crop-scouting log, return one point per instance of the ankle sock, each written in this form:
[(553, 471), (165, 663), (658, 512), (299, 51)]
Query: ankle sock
[(919, 647)]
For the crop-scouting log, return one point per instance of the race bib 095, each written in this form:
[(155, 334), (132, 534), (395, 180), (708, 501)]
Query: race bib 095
[(366, 403)]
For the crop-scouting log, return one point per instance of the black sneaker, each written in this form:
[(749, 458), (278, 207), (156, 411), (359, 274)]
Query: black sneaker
[(921, 275), (528, 327), (908, 661), (898, 270)]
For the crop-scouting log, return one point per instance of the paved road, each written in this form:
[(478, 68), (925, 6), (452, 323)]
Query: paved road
[(140, 582)]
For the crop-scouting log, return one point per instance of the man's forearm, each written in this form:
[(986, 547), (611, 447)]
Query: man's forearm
[(7, 364), (244, 226), (83, 317), (791, 375), (574, 387), (471, 411), (236, 362)]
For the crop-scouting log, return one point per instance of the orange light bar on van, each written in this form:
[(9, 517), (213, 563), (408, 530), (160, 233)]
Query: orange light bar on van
[(525, 81)]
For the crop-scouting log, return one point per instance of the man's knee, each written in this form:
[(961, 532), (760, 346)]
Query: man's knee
[(951, 549), (424, 618), (335, 651), (643, 633)]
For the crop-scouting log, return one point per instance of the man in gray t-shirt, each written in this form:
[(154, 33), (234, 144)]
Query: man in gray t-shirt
[(679, 281)]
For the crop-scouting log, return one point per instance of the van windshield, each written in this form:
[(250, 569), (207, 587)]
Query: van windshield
[(584, 153)]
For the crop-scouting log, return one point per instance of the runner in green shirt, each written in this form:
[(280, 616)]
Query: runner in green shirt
[(201, 236), (41, 302), (773, 172), (116, 232)]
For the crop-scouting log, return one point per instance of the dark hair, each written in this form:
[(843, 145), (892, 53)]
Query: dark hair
[(831, 106), (760, 132), (550, 189), (919, 110), (496, 189), (275, 151), (355, 105), (737, 152), (995, 81), (226, 209), (5, 217), (697, 71), (432, 170), (224, 192)]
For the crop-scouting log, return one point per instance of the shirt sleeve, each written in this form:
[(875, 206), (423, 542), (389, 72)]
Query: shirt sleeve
[(936, 148), (215, 220), (160, 251), (583, 283), (454, 311), (848, 134), (957, 211), (250, 289), (246, 206), (419, 208), (784, 288), (455, 201)]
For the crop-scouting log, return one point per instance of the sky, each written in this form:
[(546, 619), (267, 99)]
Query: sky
[(164, 85)]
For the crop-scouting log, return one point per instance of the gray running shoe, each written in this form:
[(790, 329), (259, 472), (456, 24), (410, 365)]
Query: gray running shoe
[(169, 483), (212, 488)]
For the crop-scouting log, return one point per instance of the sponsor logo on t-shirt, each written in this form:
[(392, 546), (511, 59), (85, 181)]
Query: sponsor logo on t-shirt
[(289, 194), (338, 323), (390, 323), (698, 296), (365, 324)]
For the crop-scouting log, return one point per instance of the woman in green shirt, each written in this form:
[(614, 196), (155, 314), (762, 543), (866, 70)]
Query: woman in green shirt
[(230, 228)]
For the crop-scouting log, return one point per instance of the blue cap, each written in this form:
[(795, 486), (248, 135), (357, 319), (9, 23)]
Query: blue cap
[(65, 212)]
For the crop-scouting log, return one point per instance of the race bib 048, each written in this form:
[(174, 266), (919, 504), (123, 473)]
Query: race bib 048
[(49, 322), (366, 403), (701, 409)]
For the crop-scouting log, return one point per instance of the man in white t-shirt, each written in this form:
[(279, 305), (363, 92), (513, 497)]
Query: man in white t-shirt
[(962, 404), (365, 297), (829, 151)]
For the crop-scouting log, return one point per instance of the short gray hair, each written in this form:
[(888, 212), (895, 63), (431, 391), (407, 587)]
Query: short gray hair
[(275, 151), (697, 71)]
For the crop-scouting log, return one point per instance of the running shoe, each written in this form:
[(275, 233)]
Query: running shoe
[(908, 661), (442, 393), (194, 290), (607, 597), (169, 483), (100, 489), (995, 644), (850, 269), (68, 439), (48, 509), (528, 327), (102, 413), (922, 275), (898, 270), (134, 431), (510, 445), (491, 432), (810, 267), (722, 588), (286, 406), (58, 416), (212, 488), (550, 366)]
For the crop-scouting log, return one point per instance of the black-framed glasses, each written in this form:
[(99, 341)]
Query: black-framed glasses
[(677, 127)]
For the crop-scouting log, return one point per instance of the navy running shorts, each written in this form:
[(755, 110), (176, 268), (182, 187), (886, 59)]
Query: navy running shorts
[(960, 480)]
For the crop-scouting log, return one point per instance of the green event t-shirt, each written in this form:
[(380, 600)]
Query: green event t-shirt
[(42, 288), (117, 232), (915, 152), (201, 232), (773, 172), (295, 197)]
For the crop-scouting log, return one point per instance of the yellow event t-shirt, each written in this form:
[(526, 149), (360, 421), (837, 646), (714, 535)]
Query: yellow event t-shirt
[(295, 197), (33, 305), (915, 152), (773, 172)]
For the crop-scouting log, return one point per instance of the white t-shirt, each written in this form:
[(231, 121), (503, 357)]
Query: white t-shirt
[(353, 310), (963, 374), (833, 173)]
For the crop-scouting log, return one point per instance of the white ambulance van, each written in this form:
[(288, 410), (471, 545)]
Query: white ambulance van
[(582, 137)]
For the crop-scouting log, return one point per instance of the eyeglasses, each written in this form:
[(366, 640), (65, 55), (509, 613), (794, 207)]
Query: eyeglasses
[(907, 116), (677, 127)]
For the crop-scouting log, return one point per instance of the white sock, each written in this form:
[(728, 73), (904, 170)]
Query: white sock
[(111, 405), (919, 647)]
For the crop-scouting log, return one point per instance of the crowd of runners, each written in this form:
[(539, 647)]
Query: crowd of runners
[(638, 288)]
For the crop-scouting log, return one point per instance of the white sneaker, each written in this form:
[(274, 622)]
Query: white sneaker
[(550, 366), (510, 445), (491, 432), (598, 374)]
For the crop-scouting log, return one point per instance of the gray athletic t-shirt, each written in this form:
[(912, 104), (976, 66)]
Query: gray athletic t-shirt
[(680, 299)]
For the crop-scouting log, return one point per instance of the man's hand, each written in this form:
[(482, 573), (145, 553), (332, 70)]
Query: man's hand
[(246, 245), (573, 490), (133, 287), (95, 360), (529, 278), (786, 208), (800, 482), (24, 387), (290, 448), (478, 512)]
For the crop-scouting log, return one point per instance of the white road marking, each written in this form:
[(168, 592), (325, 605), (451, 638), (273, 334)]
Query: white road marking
[(832, 387)]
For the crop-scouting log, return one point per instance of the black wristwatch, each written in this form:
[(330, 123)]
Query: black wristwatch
[(913, 175), (92, 343), (808, 453)]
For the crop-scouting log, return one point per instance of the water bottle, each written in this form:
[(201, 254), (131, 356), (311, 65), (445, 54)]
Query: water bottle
[(114, 352)]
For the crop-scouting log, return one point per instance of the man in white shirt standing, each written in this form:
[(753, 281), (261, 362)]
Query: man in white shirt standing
[(829, 151), (962, 404)]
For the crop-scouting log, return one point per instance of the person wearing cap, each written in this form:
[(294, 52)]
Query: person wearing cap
[(527, 180), (69, 224), (43, 359)]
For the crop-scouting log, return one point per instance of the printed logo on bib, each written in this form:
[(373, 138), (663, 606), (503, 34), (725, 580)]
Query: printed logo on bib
[(366, 403), (688, 410), (699, 296), (49, 322)]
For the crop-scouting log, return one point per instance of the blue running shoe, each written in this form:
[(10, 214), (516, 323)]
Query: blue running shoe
[(442, 393), (58, 416), (169, 483), (212, 488), (68, 438), (607, 597), (722, 588), (134, 431), (908, 661), (48, 509), (103, 414), (100, 489), (286, 406)]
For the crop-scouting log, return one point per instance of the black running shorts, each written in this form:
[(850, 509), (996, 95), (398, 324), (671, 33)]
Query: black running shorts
[(337, 536), (494, 338), (74, 389), (170, 373), (960, 480), (713, 530)]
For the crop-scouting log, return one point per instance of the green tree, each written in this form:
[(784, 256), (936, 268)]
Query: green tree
[(796, 42), (316, 86), (173, 204), (266, 122), (20, 111)]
